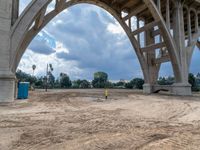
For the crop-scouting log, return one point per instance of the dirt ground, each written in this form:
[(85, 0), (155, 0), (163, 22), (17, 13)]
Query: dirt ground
[(84, 120)]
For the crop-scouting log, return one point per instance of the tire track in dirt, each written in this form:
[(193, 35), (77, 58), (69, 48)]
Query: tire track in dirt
[(69, 122)]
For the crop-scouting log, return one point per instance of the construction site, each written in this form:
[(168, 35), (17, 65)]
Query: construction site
[(159, 32), (83, 119)]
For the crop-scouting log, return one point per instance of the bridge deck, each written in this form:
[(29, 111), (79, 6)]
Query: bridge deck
[(130, 5)]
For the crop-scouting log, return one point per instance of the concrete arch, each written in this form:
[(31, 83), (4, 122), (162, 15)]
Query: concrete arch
[(194, 35), (194, 43), (30, 33), (24, 31)]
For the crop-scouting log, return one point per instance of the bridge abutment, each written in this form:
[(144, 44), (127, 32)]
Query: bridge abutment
[(7, 77), (147, 88), (179, 89), (7, 87)]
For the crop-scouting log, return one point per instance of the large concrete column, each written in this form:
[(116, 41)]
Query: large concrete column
[(151, 65), (7, 78), (183, 87)]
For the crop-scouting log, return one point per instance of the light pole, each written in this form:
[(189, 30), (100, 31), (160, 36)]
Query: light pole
[(47, 73), (33, 67)]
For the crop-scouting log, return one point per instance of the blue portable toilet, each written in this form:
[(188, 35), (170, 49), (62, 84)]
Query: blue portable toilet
[(23, 90)]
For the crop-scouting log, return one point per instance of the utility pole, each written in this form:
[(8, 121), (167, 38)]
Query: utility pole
[(47, 77)]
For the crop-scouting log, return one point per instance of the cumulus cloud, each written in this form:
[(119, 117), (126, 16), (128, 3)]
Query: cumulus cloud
[(42, 48), (115, 28), (95, 42), (41, 61)]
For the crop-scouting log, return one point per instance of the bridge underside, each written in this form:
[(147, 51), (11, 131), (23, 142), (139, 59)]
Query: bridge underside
[(170, 30)]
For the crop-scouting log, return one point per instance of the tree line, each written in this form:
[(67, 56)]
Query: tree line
[(100, 80), (192, 79)]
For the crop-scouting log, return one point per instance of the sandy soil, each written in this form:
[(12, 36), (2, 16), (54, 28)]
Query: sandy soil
[(83, 120)]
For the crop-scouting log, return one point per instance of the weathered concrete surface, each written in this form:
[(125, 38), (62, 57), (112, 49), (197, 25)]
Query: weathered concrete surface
[(7, 78), (160, 17), (7, 89), (175, 89)]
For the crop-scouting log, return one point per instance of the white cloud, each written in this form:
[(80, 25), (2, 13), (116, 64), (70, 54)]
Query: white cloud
[(115, 29), (60, 47), (30, 58)]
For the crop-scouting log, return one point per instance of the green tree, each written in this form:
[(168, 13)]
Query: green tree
[(76, 84), (81, 84), (129, 85), (39, 83), (84, 84), (24, 77), (198, 80), (120, 84), (100, 80), (65, 81), (136, 83), (192, 81), (162, 81), (166, 81), (51, 79), (57, 84), (109, 85), (49, 75)]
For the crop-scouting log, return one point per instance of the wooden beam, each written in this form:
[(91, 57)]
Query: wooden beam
[(113, 1), (40, 18), (146, 27), (162, 59), (156, 32), (135, 12), (168, 15), (59, 5), (125, 4), (153, 47)]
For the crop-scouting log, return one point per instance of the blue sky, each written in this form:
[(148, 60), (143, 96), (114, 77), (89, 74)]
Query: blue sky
[(82, 40)]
